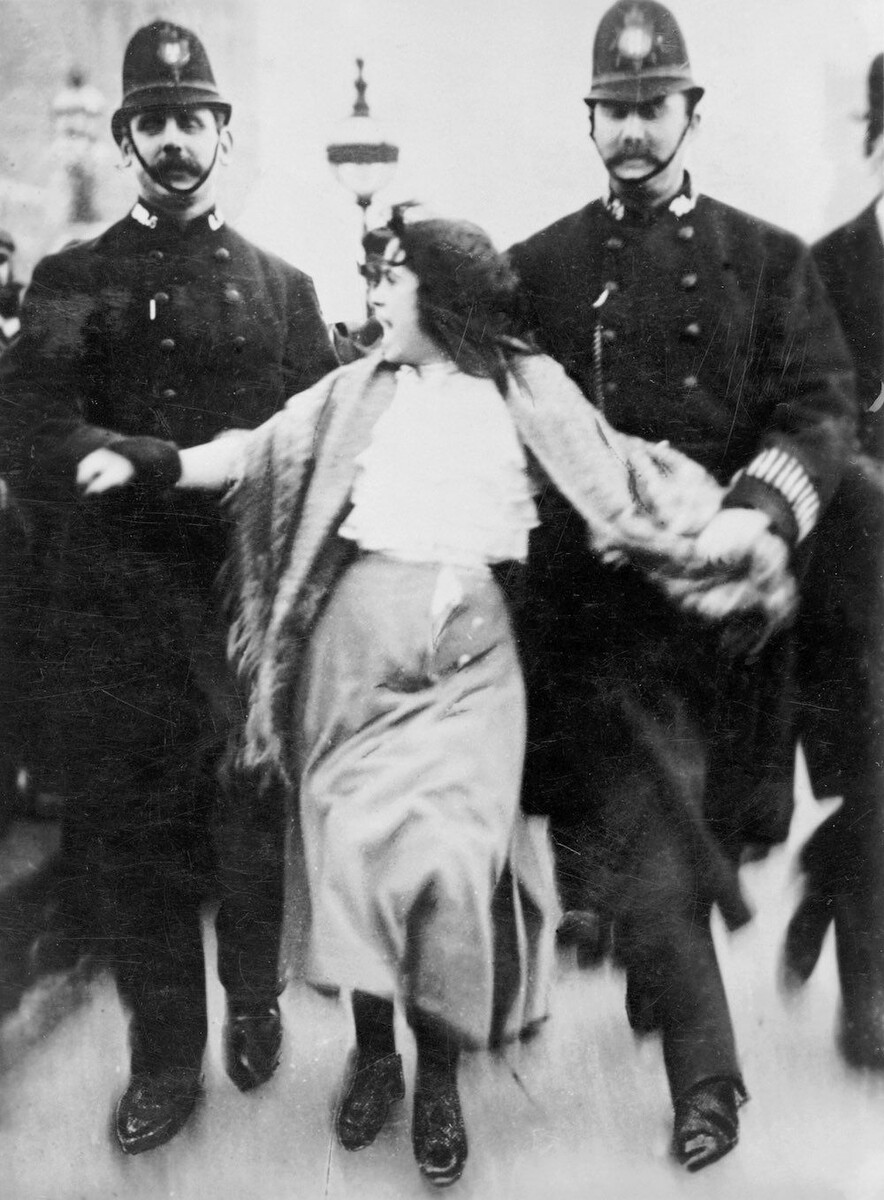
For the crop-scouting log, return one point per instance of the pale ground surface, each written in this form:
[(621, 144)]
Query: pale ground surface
[(580, 1112)]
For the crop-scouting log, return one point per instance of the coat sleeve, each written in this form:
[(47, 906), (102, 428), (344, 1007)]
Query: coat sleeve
[(44, 377), (645, 504), (805, 369)]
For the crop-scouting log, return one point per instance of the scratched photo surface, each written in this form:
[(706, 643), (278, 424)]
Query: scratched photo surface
[(483, 100)]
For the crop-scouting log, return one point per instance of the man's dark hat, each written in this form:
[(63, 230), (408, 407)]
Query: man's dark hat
[(6, 242), (874, 117), (639, 55), (166, 66)]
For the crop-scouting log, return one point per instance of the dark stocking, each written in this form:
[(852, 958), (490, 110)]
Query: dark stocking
[(373, 1018), (375, 1074), (438, 1135)]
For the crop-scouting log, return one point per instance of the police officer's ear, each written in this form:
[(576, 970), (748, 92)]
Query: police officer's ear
[(126, 152), (225, 145)]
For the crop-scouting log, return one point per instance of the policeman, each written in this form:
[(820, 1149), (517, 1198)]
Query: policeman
[(841, 713), (165, 331), (851, 262), (12, 543), (660, 757)]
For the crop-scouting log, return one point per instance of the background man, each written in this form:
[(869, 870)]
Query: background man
[(12, 546), (841, 716), (166, 330), (10, 292), (660, 756)]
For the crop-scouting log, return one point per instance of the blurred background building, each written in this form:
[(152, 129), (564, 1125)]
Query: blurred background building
[(483, 100)]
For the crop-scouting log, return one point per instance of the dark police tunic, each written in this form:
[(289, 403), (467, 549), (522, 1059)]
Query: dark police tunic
[(659, 757), (844, 613), (841, 660), (179, 332), (851, 262)]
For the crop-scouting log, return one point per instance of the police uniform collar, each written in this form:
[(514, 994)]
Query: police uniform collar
[(682, 203), (213, 220)]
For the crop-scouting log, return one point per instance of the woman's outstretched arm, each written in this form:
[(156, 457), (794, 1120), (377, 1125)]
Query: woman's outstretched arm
[(211, 466)]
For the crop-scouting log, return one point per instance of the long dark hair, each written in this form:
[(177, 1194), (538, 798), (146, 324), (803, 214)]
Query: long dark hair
[(467, 291)]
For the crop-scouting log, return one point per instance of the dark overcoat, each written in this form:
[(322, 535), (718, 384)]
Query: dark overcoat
[(841, 715), (177, 333), (150, 329), (660, 757), (851, 262), (841, 669)]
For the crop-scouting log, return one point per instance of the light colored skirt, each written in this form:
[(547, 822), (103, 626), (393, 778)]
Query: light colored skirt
[(426, 881)]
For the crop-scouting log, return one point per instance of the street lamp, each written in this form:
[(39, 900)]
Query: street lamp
[(360, 156), (76, 116)]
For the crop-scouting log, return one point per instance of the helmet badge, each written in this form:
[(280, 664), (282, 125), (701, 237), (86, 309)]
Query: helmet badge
[(635, 41), (173, 51)]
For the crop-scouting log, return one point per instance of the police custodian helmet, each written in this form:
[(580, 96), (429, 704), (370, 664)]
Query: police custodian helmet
[(639, 55), (166, 66)]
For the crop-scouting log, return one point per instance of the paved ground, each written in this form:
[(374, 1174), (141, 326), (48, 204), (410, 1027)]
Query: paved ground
[(580, 1112)]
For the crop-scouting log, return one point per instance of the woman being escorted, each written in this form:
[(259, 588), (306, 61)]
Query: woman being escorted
[(374, 519)]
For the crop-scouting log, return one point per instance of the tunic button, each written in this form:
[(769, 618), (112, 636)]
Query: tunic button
[(614, 243), (612, 286), (239, 342), (690, 382), (168, 345), (162, 297), (222, 254), (170, 394), (685, 232), (232, 295), (611, 387), (689, 281), (692, 331), (609, 335), (156, 255)]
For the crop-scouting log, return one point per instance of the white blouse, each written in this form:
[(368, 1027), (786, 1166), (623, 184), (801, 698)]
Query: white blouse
[(444, 478)]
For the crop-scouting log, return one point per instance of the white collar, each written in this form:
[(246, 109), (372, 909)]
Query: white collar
[(680, 205), (142, 214)]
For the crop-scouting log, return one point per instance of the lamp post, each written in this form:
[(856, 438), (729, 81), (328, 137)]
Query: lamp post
[(360, 156), (76, 115)]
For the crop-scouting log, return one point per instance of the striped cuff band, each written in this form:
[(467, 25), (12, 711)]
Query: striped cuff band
[(780, 470)]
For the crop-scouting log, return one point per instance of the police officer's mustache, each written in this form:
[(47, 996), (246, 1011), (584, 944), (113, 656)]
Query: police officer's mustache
[(630, 154), (167, 163)]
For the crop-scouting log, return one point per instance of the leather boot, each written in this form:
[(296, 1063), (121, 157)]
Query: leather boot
[(155, 1106), (252, 1041)]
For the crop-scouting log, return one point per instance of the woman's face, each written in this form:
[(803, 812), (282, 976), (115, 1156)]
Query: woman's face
[(394, 302)]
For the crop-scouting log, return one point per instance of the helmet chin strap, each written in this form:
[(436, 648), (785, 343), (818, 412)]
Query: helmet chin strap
[(157, 176)]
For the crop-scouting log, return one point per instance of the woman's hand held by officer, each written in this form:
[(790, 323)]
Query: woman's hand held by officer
[(732, 535), (760, 596)]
